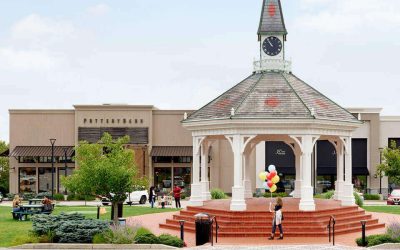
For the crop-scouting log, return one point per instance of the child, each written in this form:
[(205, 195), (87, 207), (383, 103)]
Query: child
[(162, 200)]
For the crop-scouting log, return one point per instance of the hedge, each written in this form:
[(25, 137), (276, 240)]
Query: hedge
[(374, 240), (274, 195), (372, 197)]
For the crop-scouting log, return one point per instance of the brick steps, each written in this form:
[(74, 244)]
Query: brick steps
[(296, 224)]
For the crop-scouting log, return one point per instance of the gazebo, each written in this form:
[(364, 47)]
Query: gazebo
[(271, 106)]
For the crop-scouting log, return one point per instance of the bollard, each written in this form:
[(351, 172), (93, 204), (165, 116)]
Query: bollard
[(182, 223), (98, 211), (363, 223)]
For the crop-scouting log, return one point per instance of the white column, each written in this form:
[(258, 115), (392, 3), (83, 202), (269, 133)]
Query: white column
[(247, 172), (307, 190), (348, 196), (196, 194), (205, 184), (340, 173), (299, 177), (238, 202)]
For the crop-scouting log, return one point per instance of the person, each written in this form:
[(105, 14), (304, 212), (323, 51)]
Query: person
[(177, 195), (16, 206), (278, 217), (162, 200), (47, 203), (152, 196)]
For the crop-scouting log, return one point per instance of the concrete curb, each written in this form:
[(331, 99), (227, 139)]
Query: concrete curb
[(92, 246), (387, 246)]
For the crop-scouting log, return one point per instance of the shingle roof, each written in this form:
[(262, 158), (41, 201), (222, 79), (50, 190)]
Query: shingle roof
[(171, 151), (41, 151), (272, 95), (271, 20)]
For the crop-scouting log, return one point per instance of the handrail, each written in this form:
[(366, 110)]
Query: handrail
[(214, 219), (332, 222)]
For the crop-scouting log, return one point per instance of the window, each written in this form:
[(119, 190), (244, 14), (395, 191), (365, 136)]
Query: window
[(27, 159), (162, 159), (63, 172), (183, 159), (395, 140), (182, 177), (27, 180), (162, 179), (45, 179), (45, 159), (62, 159)]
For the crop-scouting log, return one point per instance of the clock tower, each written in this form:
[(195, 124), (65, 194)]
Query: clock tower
[(272, 36)]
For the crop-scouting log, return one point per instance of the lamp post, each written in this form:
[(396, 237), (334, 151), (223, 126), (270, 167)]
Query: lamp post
[(380, 172), (65, 165), (52, 141)]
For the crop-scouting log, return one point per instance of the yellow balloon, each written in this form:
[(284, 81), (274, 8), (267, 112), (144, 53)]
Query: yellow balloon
[(262, 176), (273, 189), (276, 179)]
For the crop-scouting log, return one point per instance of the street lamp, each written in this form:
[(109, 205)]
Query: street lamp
[(380, 172), (65, 166), (52, 141)]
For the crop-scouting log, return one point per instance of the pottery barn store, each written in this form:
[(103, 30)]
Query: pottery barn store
[(163, 148)]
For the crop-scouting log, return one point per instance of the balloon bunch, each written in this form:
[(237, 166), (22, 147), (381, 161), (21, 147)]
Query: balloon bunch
[(270, 179)]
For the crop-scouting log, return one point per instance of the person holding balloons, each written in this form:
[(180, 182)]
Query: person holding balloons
[(271, 178), (277, 220)]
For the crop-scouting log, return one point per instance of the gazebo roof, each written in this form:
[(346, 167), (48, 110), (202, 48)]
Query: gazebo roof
[(272, 95), (271, 21)]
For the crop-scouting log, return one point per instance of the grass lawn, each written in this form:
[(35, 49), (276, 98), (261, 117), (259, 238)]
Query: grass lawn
[(11, 230), (383, 209)]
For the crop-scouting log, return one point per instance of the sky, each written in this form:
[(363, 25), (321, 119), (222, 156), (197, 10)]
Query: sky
[(180, 54)]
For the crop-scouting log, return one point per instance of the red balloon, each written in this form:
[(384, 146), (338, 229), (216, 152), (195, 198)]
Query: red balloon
[(270, 184), (272, 174), (269, 177)]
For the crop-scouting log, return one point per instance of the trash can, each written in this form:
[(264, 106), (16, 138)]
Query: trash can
[(203, 228), (122, 221)]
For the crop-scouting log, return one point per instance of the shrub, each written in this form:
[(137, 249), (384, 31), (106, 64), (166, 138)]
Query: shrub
[(80, 197), (327, 195), (145, 236), (268, 195), (120, 235), (217, 194), (99, 239), (10, 196), (371, 197), (170, 240), (378, 239), (79, 231), (58, 197), (27, 196), (42, 195), (359, 200), (42, 224), (393, 230), (70, 197)]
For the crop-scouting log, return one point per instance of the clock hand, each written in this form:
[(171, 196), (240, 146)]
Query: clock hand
[(270, 42)]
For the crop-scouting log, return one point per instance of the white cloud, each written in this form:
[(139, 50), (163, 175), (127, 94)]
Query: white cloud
[(23, 60), (343, 16), (99, 9)]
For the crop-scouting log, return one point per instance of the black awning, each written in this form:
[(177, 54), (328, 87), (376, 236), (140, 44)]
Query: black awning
[(360, 171), (171, 151), (35, 151)]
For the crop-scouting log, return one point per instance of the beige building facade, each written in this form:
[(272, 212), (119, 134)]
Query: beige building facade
[(163, 148)]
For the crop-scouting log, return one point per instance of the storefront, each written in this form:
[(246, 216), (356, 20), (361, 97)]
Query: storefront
[(170, 169)]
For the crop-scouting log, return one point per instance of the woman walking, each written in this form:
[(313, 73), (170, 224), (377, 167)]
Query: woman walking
[(278, 217)]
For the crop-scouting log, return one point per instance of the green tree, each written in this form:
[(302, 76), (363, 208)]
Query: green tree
[(105, 168), (4, 169), (391, 163)]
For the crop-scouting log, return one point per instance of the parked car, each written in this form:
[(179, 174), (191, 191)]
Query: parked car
[(394, 197), (135, 197)]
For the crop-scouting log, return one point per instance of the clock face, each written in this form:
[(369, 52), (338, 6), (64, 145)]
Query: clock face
[(272, 46)]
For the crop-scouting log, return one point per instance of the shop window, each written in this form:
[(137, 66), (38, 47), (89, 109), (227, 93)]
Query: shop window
[(45, 159), (163, 179), (162, 159), (182, 178), (394, 140), (182, 159), (63, 172), (28, 159), (45, 180), (69, 159), (27, 180)]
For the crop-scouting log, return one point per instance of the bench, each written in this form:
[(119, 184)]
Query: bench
[(22, 213)]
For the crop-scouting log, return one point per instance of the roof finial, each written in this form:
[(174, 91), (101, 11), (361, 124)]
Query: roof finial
[(185, 116)]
